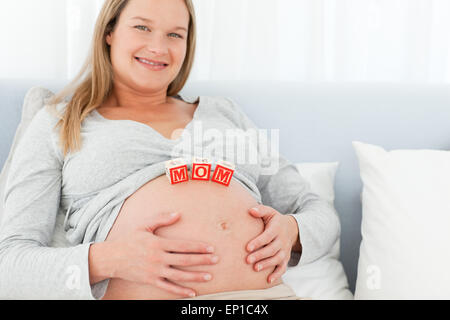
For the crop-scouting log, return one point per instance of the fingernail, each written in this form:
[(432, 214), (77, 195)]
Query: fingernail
[(251, 259), (258, 267), (174, 214), (271, 280), (215, 259), (192, 294), (207, 277), (251, 248), (210, 249), (255, 209)]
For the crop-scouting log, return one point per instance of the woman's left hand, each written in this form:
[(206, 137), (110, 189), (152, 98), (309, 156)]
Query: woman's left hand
[(272, 248)]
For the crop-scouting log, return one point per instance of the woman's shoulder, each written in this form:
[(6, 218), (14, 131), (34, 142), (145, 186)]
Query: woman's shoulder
[(36, 136), (55, 111), (224, 104), (232, 109), (50, 114), (44, 116), (42, 125)]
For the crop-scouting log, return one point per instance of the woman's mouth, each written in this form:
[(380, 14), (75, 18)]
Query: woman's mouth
[(152, 65)]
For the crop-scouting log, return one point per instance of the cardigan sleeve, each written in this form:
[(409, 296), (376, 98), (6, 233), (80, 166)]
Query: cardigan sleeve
[(287, 191), (29, 267)]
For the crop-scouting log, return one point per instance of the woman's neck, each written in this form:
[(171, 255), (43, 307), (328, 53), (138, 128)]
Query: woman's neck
[(140, 101)]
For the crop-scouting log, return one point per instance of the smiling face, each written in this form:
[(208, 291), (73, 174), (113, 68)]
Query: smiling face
[(159, 35)]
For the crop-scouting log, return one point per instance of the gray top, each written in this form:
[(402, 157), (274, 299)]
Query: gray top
[(117, 158)]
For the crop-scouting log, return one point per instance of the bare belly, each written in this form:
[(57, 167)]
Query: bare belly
[(210, 212)]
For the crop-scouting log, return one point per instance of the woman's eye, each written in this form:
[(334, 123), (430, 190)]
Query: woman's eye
[(144, 28), (138, 27), (176, 35)]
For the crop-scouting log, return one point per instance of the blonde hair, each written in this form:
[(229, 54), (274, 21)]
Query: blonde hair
[(97, 84)]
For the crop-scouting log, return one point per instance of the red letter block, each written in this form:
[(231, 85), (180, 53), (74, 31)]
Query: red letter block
[(176, 170), (201, 168), (223, 172)]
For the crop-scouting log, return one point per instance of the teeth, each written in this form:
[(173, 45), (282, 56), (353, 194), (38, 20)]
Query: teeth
[(150, 63)]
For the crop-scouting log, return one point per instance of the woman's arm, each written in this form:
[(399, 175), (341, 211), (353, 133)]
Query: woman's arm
[(100, 262), (297, 247), (29, 268), (317, 221), (286, 191)]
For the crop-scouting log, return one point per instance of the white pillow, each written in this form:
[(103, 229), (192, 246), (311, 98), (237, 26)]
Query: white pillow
[(324, 278), (405, 249)]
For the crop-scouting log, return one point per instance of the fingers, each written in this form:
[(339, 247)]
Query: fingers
[(265, 252), (270, 262), (264, 238), (277, 273), (256, 212), (174, 274), (173, 288), (264, 212), (183, 246), (184, 260), (162, 220)]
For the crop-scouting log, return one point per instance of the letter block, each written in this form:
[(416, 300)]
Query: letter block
[(223, 172), (201, 169), (176, 170)]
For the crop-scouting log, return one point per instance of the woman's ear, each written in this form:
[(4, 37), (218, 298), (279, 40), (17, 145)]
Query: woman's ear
[(108, 39)]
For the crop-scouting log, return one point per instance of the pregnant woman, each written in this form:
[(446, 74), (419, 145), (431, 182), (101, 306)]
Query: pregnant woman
[(98, 160)]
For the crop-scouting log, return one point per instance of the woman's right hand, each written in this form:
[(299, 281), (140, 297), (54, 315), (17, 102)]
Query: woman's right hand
[(144, 257)]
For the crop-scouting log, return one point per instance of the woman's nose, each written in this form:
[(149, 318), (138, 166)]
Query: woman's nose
[(158, 46)]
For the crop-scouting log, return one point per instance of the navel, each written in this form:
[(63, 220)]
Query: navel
[(224, 226)]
